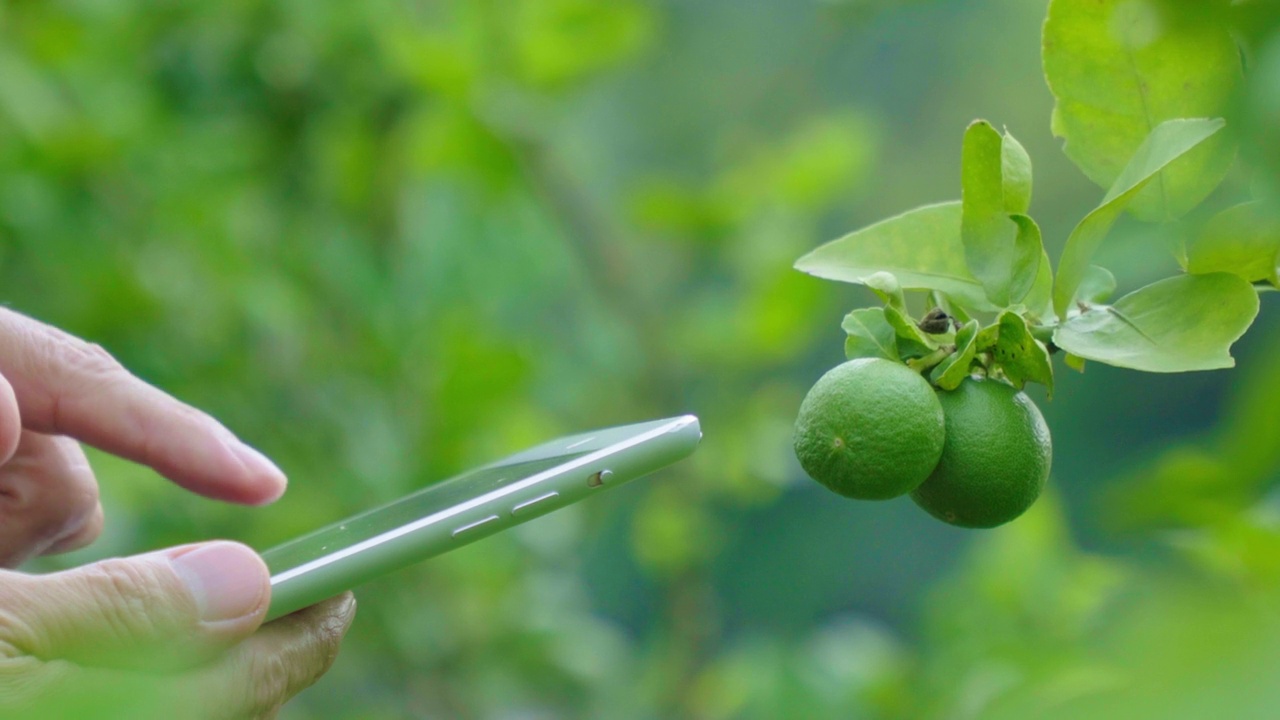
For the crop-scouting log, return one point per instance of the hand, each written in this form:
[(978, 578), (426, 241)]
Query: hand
[(56, 389), (169, 634), (165, 635)]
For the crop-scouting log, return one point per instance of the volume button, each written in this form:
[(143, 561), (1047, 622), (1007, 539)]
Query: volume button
[(472, 526), (525, 507)]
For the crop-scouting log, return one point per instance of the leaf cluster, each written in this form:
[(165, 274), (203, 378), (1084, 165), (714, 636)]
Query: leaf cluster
[(1141, 94)]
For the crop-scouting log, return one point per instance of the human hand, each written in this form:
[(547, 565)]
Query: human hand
[(56, 389), (166, 635), (169, 634)]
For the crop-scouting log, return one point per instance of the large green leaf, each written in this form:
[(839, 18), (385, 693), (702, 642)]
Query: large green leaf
[(1118, 69), (1178, 324), (1171, 140), (1002, 251), (1244, 239), (921, 247)]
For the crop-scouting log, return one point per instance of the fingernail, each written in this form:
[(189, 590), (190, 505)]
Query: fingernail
[(258, 465), (226, 579)]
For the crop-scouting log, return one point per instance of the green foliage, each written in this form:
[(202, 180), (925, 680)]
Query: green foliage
[(1121, 68), (386, 242), (1169, 141), (1178, 324)]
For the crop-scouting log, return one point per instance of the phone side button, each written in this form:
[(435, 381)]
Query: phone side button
[(527, 506), (475, 525)]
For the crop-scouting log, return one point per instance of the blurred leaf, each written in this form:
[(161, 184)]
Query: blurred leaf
[(1120, 68), (921, 248), (1097, 285), (1175, 325), (1244, 240), (1166, 143)]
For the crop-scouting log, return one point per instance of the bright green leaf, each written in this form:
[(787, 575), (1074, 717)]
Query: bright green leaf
[(1022, 357), (912, 341), (922, 249), (1039, 302), (1171, 140), (870, 335), (988, 235), (955, 368), (1097, 285), (1028, 249), (1244, 240), (1075, 362), (1178, 324), (1120, 68), (1016, 167)]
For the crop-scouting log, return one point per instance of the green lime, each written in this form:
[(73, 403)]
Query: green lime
[(995, 460), (870, 429)]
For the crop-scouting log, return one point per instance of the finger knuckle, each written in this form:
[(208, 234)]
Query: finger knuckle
[(270, 685), (89, 358), (132, 606)]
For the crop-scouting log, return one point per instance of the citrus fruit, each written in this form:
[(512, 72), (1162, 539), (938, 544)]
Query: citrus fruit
[(870, 429), (995, 460)]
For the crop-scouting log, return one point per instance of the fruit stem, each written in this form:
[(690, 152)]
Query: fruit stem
[(926, 363)]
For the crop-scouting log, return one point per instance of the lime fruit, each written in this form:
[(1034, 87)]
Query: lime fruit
[(995, 460), (870, 429)]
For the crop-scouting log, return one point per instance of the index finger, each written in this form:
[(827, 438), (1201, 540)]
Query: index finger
[(66, 386)]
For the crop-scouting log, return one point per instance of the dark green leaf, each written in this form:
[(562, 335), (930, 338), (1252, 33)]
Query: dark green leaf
[(870, 335), (1179, 324), (1120, 68), (1171, 140)]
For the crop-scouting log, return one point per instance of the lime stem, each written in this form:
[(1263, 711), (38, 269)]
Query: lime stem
[(926, 363)]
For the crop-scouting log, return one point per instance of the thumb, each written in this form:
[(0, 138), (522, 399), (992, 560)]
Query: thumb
[(171, 608)]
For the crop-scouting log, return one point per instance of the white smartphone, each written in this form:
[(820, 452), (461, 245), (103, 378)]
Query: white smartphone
[(465, 508)]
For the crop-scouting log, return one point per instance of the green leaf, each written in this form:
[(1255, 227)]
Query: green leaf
[(1039, 302), (912, 341), (1168, 142), (1075, 362), (1028, 249), (922, 249), (886, 287), (1097, 285), (1120, 68), (1244, 240), (988, 235), (870, 335), (1178, 324), (955, 368), (1016, 168), (1022, 357)]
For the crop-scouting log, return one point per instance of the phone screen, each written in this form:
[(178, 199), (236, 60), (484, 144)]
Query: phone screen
[(429, 501)]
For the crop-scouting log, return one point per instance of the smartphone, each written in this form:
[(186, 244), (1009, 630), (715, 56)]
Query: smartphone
[(465, 508)]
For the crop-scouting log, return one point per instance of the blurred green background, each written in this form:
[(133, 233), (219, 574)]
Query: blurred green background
[(387, 240)]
